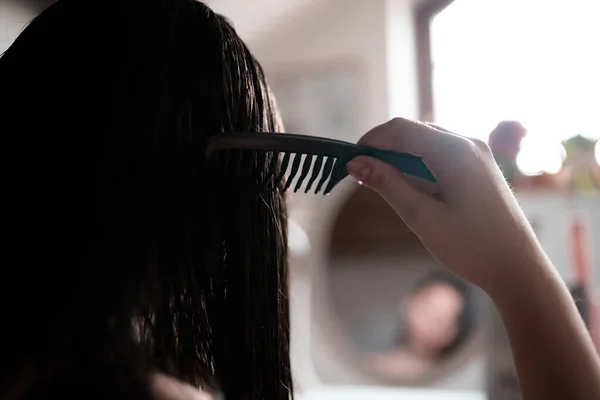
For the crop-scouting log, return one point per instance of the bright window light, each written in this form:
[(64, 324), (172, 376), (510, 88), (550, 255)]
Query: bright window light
[(533, 61), (538, 156)]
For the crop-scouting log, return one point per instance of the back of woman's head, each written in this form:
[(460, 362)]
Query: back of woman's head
[(129, 254)]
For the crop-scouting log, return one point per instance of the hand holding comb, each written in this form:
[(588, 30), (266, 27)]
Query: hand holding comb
[(327, 157)]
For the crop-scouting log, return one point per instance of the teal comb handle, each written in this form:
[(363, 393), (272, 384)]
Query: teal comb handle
[(407, 163)]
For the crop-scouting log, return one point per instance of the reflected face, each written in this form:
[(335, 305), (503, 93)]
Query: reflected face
[(432, 317)]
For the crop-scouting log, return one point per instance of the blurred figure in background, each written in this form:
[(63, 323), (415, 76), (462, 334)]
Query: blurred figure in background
[(436, 320), (505, 143)]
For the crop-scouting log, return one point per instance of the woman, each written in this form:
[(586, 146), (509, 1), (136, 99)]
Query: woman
[(133, 262), (134, 270), (436, 317)]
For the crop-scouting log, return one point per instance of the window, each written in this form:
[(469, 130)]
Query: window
[(535, 61)]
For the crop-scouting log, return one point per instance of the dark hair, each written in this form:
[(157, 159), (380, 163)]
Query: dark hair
[(128, 252), (465, 318)]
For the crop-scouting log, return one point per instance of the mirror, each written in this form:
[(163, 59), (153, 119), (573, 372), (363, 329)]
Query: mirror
[(408, 318)]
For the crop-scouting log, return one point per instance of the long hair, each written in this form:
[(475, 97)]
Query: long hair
[(129, 253)]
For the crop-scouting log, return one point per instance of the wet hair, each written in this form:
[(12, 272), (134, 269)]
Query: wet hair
[(466, 316), (129, 253)]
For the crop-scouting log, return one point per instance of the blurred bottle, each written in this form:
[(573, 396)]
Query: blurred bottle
[(582, 275), (580, 167)]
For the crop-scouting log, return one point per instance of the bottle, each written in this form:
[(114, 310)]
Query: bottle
[(582, 274)]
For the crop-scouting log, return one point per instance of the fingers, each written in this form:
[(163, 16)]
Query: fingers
[(445, 153), (404, 135), (411, 204), (439, 128), (416, 138)]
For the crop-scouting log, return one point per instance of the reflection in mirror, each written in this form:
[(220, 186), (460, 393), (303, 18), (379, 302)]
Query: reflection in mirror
[(408, 317), (434, 321)]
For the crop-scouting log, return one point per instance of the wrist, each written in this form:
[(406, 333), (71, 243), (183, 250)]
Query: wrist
[(520, 274)]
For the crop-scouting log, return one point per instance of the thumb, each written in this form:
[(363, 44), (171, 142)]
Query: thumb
[(395, 187)]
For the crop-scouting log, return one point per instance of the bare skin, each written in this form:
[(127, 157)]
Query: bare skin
[(471, 222), (165, 387)]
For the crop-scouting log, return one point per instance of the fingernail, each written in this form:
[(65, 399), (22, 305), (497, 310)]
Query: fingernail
[(360, 170)]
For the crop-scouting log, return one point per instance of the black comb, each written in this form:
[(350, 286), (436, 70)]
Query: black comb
[(327, 157)]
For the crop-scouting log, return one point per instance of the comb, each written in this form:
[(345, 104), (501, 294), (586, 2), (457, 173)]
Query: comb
[(322, 161)]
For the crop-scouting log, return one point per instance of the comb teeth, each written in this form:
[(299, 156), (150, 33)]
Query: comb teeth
[(308, 159), (294, 171), (327, 171), (316, 171), (298, 169), (338, 173)]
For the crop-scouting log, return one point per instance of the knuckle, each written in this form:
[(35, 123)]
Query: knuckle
[(479, 149), (370, 138), (470, 153), (480, 144), (381, 137), (397, 121), (460, 145), (462, 151)]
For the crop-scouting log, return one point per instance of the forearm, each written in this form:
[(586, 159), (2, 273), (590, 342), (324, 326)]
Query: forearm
[(552, 350)]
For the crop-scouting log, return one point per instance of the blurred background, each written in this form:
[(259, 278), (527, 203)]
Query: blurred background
[(373, 315)]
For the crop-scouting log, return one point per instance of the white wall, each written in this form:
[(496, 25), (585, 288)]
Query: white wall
[(332, 33), (257, 18), (376, 35)]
